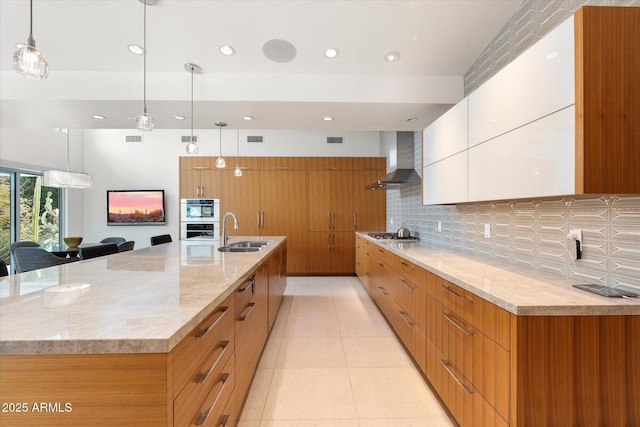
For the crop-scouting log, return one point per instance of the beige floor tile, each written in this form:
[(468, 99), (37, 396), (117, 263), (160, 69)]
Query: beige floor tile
[(353, 306), (392, 393), (310, 394), (310, 423), (257, 397), (270, 353), (371, 325), (307, 305), (374, 352), (408, 422), (311, 352), (318, 286), (242, 423), (312, 326)]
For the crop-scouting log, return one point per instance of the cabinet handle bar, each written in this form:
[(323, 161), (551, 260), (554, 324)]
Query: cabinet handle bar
[(467, 389), (463, 329)]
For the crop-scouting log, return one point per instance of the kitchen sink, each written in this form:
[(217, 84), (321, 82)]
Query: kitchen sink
[(250, 244), (240, 248)]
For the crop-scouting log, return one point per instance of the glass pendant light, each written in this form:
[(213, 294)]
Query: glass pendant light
[(237, 171), (27, 60), (192, 145), (144, 122), (67, 179), (220, 163)]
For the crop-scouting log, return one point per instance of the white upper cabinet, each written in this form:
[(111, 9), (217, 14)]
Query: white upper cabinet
[(447, 135), (445, 181), (538, 82), (535, 160)]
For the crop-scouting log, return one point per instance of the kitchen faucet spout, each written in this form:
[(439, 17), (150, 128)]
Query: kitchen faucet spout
[(224, 225)]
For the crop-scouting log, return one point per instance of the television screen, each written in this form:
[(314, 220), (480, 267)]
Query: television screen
[(135, 207)]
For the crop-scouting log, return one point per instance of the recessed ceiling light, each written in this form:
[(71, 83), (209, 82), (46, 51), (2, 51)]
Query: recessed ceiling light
[(136, 49), (247, 118), (410, 119), (331, 52), (227, 50), (392, 56), (98, 117), (327, 119), (178, 117)]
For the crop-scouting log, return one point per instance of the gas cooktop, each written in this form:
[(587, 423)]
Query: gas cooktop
[(391, 236)]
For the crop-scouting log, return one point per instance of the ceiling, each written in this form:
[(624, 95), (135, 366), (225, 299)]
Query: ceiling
[(92, 72)]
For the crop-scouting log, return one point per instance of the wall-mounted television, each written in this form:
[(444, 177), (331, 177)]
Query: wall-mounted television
[(135, 207)]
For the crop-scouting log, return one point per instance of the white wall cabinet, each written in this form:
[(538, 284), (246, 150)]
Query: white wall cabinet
[(538, 82), (445, 181), (535, 160), (447, 135)]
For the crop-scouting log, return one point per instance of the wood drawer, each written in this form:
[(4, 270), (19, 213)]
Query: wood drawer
[(459, 301), (457, 342), (382, 254), (491, 373), (412, 336), (411, 299), (195, 347), (203, 380), (210, 411), (244, 293), (409, 271), (493, 321)]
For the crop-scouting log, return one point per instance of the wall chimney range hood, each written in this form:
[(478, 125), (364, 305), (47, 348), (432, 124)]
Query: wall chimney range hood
[(401, 163)]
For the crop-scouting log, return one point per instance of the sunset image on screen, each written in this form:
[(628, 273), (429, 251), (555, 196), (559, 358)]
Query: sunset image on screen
[(136, 206)]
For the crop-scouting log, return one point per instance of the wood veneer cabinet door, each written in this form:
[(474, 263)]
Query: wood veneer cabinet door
[(330, 201), (199, 177), (241, 195), (284, 206), (607, 100), (369, 206)]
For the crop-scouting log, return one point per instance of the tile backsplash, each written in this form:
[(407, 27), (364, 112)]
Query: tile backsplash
[(530, 232)]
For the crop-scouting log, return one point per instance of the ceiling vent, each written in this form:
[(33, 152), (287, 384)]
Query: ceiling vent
[(256, 139), (133, 139), (334, 140), (187, 138)]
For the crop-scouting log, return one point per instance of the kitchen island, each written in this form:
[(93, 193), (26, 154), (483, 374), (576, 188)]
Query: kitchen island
[(506, 345), (146, 337)]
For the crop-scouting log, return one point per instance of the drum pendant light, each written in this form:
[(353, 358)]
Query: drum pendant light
[(220, 163), (27, 60), (237, 171), (192, 145), (144, 122)]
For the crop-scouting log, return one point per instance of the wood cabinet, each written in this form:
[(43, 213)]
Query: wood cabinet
[(270, 199), (369, 207), (497, 369), (277, 283), (199, 177)]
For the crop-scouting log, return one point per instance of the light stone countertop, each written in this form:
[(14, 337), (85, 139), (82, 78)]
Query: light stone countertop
[(142, 301), (518, 289)]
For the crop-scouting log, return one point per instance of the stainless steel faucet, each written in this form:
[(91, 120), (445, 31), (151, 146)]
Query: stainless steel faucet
[(224, 226)]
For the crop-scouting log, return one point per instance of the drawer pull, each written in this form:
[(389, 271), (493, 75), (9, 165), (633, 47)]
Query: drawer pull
[(382, 290), (204, 415), (406, 318), (248, 284), (202, 332), (381, 264), (224, 420), (455, 294), (463, 329), (406, 265), (204, 375), (250, 306), (467, 389), (381, 251), (406, 284)]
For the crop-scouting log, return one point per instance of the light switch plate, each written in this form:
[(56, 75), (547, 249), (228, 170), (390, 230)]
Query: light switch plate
[(487, 231)]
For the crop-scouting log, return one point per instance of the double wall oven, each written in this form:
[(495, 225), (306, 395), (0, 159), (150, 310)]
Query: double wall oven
[(200, 219)]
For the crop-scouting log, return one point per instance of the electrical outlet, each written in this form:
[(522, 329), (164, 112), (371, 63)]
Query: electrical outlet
[(487, 231), (439, 226)]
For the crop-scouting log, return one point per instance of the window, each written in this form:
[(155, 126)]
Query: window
[(28, 211)]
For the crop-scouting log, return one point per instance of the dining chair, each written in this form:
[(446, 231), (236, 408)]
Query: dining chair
[(98, 250), (20, 244), (163, 238), (3, 268), (116, 240), (126, 246), (33, 258)]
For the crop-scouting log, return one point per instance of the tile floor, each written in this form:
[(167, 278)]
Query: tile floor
[(333, 361)]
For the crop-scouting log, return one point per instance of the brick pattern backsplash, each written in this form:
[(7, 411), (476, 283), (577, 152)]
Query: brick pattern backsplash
[(529, 232)]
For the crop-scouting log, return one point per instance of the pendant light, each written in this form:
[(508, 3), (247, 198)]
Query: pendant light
[(144, 122), (27, 60), (67, 179), (237, 171), (220, 163), (192, 145)]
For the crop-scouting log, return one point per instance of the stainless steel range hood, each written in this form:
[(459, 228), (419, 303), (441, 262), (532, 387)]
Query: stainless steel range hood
[(401, 163)]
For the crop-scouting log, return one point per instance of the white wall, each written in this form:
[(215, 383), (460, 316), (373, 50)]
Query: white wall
[(153, 164)]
